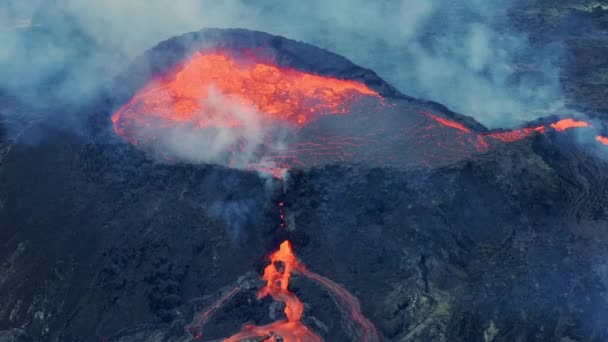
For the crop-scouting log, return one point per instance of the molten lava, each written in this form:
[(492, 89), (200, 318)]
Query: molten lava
[(517, 134), (276, 275), (279, 94), (566, 124), (448, 123), (602, 139), (282, 263)]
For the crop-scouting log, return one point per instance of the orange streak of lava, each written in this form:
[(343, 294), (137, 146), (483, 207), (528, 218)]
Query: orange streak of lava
[(277, 274), (515, 135), (566, 124), (602, 139), (449, 123)]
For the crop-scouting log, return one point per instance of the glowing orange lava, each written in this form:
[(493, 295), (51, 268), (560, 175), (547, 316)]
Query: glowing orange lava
[(515, 135), (466, 137), (566, 124), (282, 263), (448, 123), (284, 94), (602, 139)]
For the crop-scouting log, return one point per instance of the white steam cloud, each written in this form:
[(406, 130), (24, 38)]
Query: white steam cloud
[(213, 142), (453, 53)]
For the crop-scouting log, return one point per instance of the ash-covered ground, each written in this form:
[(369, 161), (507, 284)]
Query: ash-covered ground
[(437, 239)]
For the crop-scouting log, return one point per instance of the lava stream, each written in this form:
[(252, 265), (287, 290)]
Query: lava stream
[(277, 274), (448, 123), (516, 134), (347, 301), (205, 315)]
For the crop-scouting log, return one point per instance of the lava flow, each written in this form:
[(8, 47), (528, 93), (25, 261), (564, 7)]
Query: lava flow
[(282, 263), (559, 126), (566, 124), (348, 303), (602, 139), (277, 274), (516, 134)]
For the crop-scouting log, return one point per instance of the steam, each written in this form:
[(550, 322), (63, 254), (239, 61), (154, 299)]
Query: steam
[(223, 132), (212, 144), (454, 54)]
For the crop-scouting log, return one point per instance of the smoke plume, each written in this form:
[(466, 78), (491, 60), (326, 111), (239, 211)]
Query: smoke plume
[(213, 143)]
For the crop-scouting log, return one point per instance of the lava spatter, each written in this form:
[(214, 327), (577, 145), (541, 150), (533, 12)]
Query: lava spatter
[(517, 134)]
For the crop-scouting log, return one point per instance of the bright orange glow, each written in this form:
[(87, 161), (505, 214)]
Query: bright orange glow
[(288, 95), (466, 137), (602, 139), (282, 263), (449, 123), (566, 124), (515, 135)]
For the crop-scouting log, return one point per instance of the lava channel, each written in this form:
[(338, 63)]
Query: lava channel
[(510, 136), (282, 263), (276, 275)]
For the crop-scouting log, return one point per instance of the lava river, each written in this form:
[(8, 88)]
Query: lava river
[(283, 263)]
